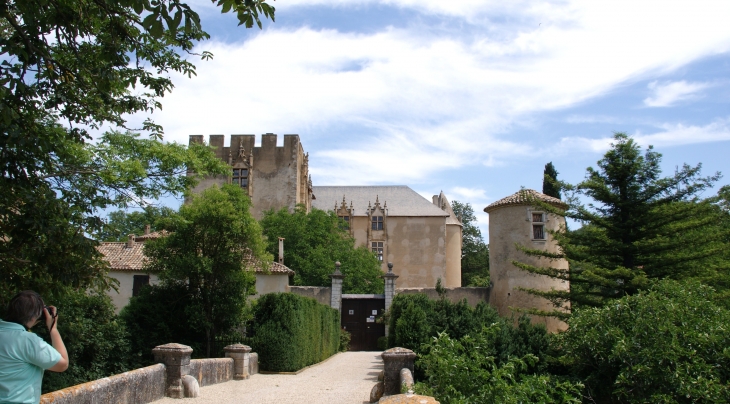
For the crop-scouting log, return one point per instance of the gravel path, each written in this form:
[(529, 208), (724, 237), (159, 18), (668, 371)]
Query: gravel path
[(345, 378)]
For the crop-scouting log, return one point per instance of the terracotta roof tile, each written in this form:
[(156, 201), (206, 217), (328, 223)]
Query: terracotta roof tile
[(121, 257), (153, 235), (525, 197)]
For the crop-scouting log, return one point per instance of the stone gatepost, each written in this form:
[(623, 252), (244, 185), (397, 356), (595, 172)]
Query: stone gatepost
[(336, 299), (395, 359), (241, 359), (389, 278), (176, 358)]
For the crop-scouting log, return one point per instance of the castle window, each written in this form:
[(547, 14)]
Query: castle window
[(377, 248), (240, 177), (538, 226), (377, 223), (346, 225)]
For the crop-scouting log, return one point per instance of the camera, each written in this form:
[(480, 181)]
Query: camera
[(51, 311)]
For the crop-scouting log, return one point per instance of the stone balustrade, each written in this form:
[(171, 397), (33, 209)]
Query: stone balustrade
[(154, 382)]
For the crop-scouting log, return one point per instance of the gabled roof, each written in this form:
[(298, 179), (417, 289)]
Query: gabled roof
[(400, 200), (123, 256), (525, 197), (129, 257)]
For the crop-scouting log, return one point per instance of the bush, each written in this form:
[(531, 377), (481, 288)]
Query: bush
[(157, 316), (466, 370), (290, 332), (669, 344), (96, 341), (344, 340), (415, 320)]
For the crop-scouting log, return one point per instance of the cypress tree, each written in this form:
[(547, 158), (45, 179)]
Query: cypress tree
[(550, 185)]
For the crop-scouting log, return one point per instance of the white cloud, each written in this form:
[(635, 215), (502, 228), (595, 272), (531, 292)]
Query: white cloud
[(668, 94), (670, 134), (413, 103)]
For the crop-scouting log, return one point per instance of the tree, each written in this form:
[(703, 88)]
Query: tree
[(474, 251), (68, 67), (120, 224), (665, 345), (313, 242), (637, 227), (205, 257), (550, 185)]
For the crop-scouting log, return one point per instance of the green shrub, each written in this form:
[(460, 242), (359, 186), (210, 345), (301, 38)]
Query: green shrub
[(382, 343), (344, 340), (157, 316), (466, 370), (290, 332), (667, 345), (95, 339), (414, 320)]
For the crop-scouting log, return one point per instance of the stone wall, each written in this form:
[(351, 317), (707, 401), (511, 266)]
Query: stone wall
[(472, 295), (321, 294), (211, 371), (137, 386)]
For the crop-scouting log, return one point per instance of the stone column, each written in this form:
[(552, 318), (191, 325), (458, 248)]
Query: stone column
[(336, 299), (176, 358), (241, 359), (395, 359), (389, 278)]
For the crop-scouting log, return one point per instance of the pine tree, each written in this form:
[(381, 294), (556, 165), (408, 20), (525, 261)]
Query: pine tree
[(637, 227), (550, 185)]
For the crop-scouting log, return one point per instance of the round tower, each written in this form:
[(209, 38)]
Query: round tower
[(515, 220)]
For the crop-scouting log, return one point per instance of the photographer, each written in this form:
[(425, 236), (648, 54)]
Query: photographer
[(23, 355)]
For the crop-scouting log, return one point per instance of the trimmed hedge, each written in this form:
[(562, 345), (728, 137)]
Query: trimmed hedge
[(290, 332)]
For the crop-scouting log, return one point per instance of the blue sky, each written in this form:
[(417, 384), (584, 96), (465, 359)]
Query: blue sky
[(471, 97)]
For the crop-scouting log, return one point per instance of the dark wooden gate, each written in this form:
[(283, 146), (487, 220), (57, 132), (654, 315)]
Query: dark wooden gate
[(359, 316)]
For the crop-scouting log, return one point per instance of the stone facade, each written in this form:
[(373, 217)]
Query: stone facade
[(421, 238), (274, 177), (515, 220)]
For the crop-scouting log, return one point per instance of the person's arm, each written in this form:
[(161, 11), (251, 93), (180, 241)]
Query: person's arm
[(56, 341)]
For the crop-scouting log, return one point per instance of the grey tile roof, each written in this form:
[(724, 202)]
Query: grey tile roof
[(400, 199), (525, 197)]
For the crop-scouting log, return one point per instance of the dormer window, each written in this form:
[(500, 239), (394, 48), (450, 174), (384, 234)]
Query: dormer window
[(377, 223), (538, 226), (240, 177), (346, 219)]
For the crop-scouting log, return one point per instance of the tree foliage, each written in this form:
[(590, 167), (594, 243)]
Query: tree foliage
[(68, 68), (637, 226), (314, 242), (120, 223), (474, 251), (665, 345), (550, 183), (205, 257)]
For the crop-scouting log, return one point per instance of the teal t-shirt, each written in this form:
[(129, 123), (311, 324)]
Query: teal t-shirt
[(23, 358)]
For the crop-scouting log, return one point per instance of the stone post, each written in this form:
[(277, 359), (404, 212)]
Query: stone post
[(389, 278), (176, 358), (395, 359), (336, 299), (241, 358)]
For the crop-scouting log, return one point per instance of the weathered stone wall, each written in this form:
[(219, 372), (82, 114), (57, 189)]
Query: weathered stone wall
[(472, 295), (321, 294), (211, 371), (510, 225), (137, 386)]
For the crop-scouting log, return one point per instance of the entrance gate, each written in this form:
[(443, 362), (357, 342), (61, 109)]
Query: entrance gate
[(359, 315)]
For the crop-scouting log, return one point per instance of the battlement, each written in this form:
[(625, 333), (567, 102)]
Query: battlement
[(268, 144)]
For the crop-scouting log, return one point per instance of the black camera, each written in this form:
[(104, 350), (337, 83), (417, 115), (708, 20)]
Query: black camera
[(51, 311)]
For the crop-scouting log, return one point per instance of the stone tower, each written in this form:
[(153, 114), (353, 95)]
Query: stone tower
[(274, 177), (515, 220)]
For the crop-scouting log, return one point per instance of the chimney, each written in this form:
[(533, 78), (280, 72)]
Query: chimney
[(146, 229), (281, 250), (130, 241)]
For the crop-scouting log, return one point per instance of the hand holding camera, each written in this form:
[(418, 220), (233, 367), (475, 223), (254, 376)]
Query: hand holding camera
[(51, 313)]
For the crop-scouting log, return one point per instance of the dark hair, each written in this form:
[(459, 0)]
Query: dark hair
[(25, 307)]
